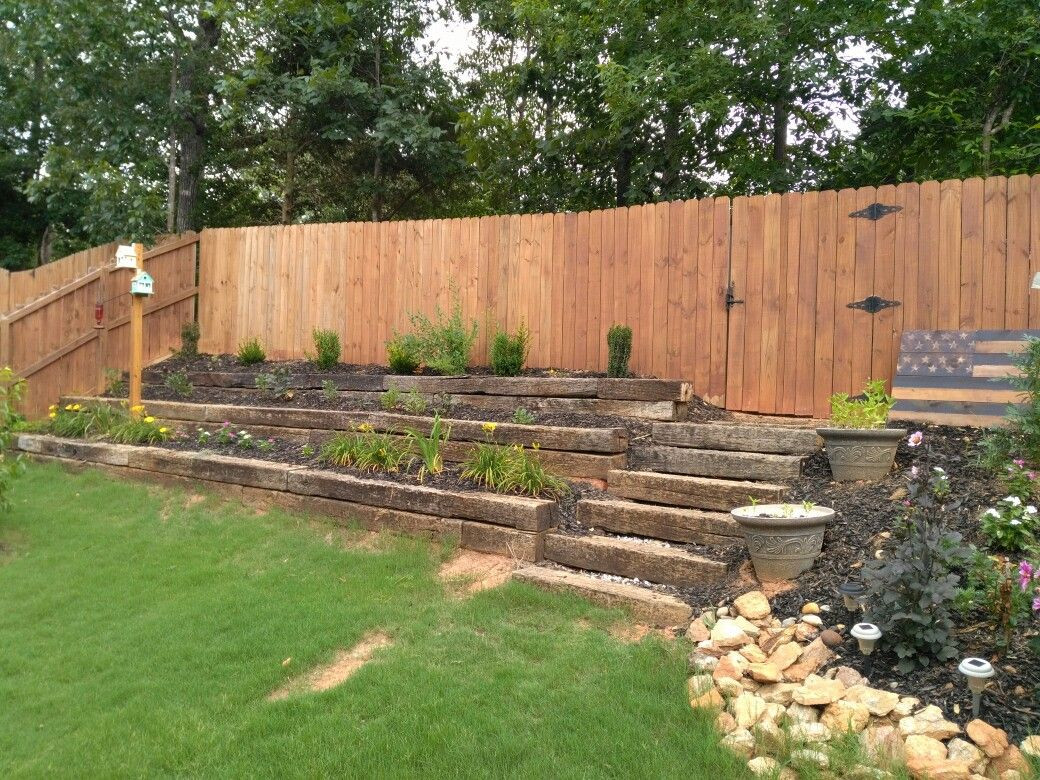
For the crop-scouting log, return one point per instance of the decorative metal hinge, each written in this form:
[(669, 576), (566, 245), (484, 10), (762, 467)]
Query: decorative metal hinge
[(731, 298), (875, 211), (872, 304)]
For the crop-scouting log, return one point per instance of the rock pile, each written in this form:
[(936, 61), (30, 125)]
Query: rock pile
[(770, 683)]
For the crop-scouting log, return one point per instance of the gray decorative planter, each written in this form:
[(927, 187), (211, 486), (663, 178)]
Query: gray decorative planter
[(783, 540), (861, 453)]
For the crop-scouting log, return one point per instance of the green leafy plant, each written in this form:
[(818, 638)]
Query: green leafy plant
[(486, 464), (12, 390), (442, 403), (329, 390), (413, 402), (619, 350), (390, 399), (179, 384), (140, 428), (522, 416), (366, 450), (870, 411), (327, 348), (190, 334), (1011, 525), (251, 352), (1021, 436), (428, 447), (276, 383), (915, 585), (509, 353), (265, 445), (115, 382), (77, 421), (993, 583), (445, 340), (402, 353), (307, 450), (526, 475)]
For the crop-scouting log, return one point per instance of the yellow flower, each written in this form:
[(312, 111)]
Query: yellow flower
[(68, 407), (76, 407), (149, 420), (535, 445), (52, 415), (164, 429), (52, 408), (365, 428), (137, 409), (489, 427)]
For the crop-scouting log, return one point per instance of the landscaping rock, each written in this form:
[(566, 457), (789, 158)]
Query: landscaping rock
[(749, 628), (729, 687), (780, 693), (753, 605), (747, 709), (1030, 745), (843, 715), (849, 676), (992, 741), (697, 662), (754, 654), (922, 753), (703, 693), (877, 702), (906, 706), (770, 738), (725, 723), (726, 668), (958, 749), (813, 620), (817, 690), (785, 655), (813, 657), (810, 732), (765, 673), (773, 638), (741, 742), (831, 638), (816, 758), (799, 713), (1011, 760), (698, 632), (882, 742), (727, 634), (812, 608), (804, 632), (928, 722), (762, 765)]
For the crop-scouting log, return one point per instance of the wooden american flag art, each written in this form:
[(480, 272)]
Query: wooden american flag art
[(957, 377)]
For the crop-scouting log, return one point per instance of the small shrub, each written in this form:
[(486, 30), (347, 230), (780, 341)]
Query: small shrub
[(115, 382), (329, 390), (619, 350), (509, 353), (995, 584), (190, 334), (327, 348), (445, 341), (413, 402), (915, 586), (179, 384), (428, 447), (871, 411), (390, 399), (140, 428), (486, 464), (402, 354), (1021, 437), (251, 352), (442, 403), (265, 445), (276, 383), (522, 416), (12, 390)]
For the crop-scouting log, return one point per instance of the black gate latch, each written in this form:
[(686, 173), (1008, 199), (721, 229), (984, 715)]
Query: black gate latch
[(731, 298)]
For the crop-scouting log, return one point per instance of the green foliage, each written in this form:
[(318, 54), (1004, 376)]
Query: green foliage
[(276, 383), (442, 403), (190, 334), (307, 450), (139, 429), (12, 389), (391, 399), (509, 353), (619, 350), (522, 416), (366, 450), (115, 382), (402, 353), (327, 348), (487, 464), (178, 383), (1011, 525), (76, 421), (1021, 438), (428, 447), (869, 412), (511, 469), (329, 390), (413, 402), (251, 352), (991, 584), (445, 341), (914, 586)]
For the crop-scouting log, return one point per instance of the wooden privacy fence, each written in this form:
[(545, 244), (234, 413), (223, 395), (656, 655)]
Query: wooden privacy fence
[(53, 342), (22, 287), (766, 303)]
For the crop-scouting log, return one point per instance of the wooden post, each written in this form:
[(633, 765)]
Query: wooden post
[(137, 336), (102, 329)]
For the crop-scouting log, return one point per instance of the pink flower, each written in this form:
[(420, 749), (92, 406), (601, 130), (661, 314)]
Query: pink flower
[(1031, 475), (1036, 604), (906, 502), (1025, 574), (915, 439), (1019, 462)]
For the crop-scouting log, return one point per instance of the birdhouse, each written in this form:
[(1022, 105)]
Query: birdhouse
[(141, 284), (126, 257)]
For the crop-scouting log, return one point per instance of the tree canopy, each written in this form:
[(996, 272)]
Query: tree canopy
[(133, 118)]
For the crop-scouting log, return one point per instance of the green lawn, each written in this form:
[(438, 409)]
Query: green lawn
[(140, 633)]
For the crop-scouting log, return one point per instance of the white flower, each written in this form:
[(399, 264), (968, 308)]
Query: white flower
[(992, 512), (938, 470), (1016, 522), (1030, 510), (1013, 500)]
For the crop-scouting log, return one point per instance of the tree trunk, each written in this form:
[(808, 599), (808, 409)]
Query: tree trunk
[(171, 155), (289, 190), (990, 127), (195, 87), (46, 245), (672, 153), (623, 173)]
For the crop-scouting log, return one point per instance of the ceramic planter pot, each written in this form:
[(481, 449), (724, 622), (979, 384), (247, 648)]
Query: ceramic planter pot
[(783, 540), (860, 453)]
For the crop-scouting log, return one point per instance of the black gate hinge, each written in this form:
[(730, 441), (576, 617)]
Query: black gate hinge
[(875, 211), (731, 298)]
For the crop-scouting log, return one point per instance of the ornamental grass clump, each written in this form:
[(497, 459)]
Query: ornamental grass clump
[(140, 428), (190, 334), (619, 350), (326, 348), (428, 447), (402, 353), (75, 421), (914, 587), (251, 352), (511, 469), (509, 353), (366, 450)]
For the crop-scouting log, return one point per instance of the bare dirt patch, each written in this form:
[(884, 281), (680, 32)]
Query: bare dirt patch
[(342, 667), (474, 571)]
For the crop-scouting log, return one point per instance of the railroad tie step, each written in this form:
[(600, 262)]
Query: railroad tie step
[(775, 439), (689, 491), (645, 605), (717, 463), (655, 521), (651, 561)]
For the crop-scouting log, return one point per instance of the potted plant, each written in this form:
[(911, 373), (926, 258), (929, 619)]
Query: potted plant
[(783, 539), (858, 444)]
